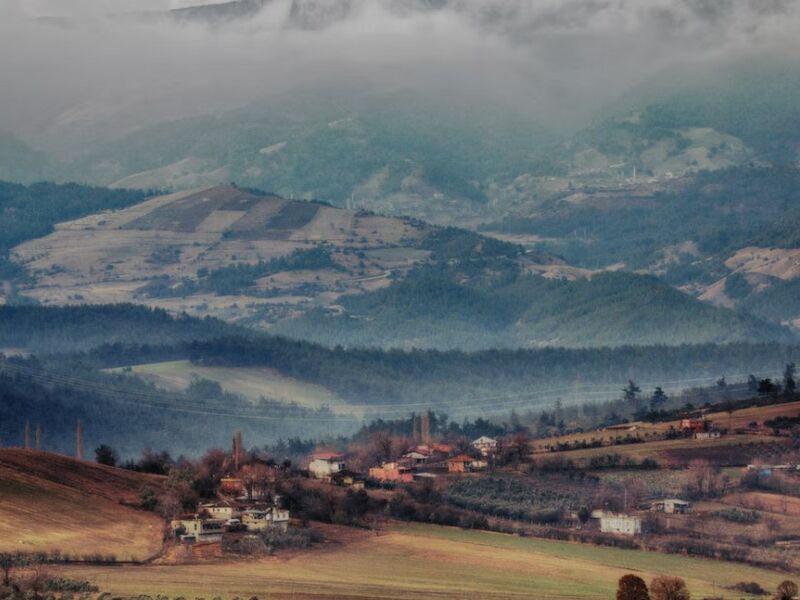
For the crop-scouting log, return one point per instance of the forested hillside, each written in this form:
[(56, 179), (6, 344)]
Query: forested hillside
[(48, 330), (28, 212), (123, 411), (719, 211), (335, 143), (441, 308), (54, 390)]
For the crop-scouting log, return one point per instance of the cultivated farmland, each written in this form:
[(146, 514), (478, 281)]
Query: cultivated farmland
[(423, 561), (73, 507)]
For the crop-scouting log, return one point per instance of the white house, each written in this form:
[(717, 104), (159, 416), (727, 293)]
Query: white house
[(623, 524), (258, 519), (415, 458), (485, 445), (324, 464), (672, 506), (199, 530), (218, 510)]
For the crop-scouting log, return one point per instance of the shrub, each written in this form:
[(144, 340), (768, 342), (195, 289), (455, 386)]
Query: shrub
[(738, 515), (750, 587), (63, 584), (276, 538), (631, 587)]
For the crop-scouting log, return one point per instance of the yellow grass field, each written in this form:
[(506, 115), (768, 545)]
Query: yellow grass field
[(738, 419), (250, 382), (77, 515), (657, 450), (424, 562)]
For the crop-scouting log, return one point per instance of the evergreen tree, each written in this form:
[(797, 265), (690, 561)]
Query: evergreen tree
[(658, 399), (106, 455), (631, 392)]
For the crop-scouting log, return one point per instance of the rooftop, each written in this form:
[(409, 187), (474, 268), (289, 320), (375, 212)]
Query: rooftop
[(327, 456)]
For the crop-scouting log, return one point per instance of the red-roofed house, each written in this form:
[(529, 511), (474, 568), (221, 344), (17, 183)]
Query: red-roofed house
[(695, 425), (231, 486)]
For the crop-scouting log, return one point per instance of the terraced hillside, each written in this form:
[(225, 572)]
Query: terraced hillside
[(338, 276), (150, 251)]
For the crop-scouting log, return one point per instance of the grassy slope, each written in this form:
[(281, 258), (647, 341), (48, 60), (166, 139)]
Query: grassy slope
[(738, 419), (679, 451), (50, 502), (422, 561)]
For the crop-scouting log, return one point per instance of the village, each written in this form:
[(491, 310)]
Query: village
[(716, 483), (249, 499)]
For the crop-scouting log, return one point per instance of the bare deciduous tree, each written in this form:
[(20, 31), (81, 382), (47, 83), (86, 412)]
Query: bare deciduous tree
[(665, 587)]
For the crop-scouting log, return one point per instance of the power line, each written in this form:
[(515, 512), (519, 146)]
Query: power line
[(209, 407)]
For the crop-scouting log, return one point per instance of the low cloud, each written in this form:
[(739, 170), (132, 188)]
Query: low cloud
[(92, 69)]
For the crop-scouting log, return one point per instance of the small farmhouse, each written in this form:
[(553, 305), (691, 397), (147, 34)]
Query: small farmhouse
[(195, 529), (695, 425), (232, 486), (622, 524), (324, 464), (257, 519), (465, 464), (415, 458), (349, 479), (485, 445), (392, 471), (218, 510), (672, 506)]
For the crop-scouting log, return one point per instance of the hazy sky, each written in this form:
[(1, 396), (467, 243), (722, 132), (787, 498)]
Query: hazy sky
[(103, 74)]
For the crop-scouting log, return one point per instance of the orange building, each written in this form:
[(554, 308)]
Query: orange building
[(231, 485), (464, 464), (392, 471)]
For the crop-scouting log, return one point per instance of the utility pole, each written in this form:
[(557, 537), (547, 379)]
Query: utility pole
[(38, 436), (237, 449), (27, 435), (78, 440)]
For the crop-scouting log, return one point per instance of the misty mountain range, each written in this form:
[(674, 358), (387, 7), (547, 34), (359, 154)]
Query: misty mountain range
[(676, 164)]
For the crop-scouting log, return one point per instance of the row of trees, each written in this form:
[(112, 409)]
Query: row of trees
[(663, 587), (631, 393)]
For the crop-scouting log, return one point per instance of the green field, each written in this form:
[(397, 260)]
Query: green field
[(423, 561), (250, 382)]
